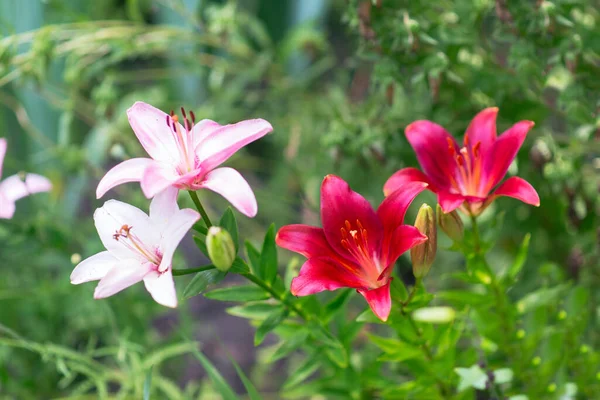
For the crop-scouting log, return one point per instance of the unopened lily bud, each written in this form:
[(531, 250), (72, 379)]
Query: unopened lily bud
[(221, 249), (422, 255), (451, 224)]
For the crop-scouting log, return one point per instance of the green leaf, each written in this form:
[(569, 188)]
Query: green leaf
[(201, 281), (220, 383), (255, 311), (268, 257), (250, 388), (473, 377), (229, 222), (238, 293), (301, 373), (269, 324), (369, 317), (520, 259), (333, 347), (239, 266), (394, 349), (201, 244), (399, 290), (147, 384), (464, 298), (337, 303), (542, 297), (253, 256), (288, 345)]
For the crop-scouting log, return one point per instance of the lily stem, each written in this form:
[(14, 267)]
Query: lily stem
[(201, 209), (187, 271)]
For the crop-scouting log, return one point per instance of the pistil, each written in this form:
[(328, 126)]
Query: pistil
[(133, 243)]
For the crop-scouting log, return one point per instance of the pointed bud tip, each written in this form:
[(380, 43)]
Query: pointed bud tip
[(451, 224)]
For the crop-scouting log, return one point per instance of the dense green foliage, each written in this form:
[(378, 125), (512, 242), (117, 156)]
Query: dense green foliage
[(339, 81)]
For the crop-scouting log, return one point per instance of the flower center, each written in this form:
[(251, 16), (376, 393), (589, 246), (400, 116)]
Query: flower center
[(183, 140), (133, 243), (356, 241), (468, 165)]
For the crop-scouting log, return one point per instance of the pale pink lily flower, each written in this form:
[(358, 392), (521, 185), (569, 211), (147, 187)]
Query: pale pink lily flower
[(187, 156), (138, 247), (16, 187)]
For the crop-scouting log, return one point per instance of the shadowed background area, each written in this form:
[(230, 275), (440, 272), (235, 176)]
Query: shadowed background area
[(339, 81)]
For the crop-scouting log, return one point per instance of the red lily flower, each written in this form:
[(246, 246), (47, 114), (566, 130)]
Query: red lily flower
[(465, 176), (357, 247)]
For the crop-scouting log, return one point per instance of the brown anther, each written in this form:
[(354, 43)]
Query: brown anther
[(344, 233), (348, 226), (476, 149), (188, 126), (193, 117), (451, 148), (460, 160), (168, 120), (116, 236), (183, 112), (360, 227), (345, 244), (172, 113), (466, 139)]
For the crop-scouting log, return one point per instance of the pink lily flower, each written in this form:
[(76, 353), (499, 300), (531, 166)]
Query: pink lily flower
[(186, 156), (357, 247), (466, 176), (138, 247), (16, 187)]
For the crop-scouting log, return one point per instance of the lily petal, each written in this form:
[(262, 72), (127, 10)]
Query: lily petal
[(2, 153), (93, 268), (162, 288), (430, 142), (7, 207), (157, 177), (307, 240), (112, 216), (323, 273), (503, 153), (150, 127), (404, 176), (204, 129), (520, 189), (231, 185), (393, 208), (225, 141), (379, 300), (130, 170), (482, 129), (164, 206), (179, 224), (124, 274), (450, 201), (340, 204), (403, 239)]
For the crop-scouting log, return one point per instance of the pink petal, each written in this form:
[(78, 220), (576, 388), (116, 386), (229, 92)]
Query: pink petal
[(150, 127), (93, 268), (204, 129), (307, 240), (157, 177), (2, 153), (163, 206), (225, 141), (112, 216), (430, 142), (393, 208), (520, 189), (231, 185), (130, 170), (162, 288), (124, 274), (323, 273), (503, 152), (7, 207), (179, 224), (402, 177), (450, 201), (379, 300), (14, 187), (339, 204), (403, 239), (482, 129)]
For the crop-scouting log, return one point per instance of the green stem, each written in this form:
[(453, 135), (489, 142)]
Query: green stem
[(476, 240), (201, 209), (187, 271), (412, 292)]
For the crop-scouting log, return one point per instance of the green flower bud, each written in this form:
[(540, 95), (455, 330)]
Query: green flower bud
[(221, 249), (422, 255), (451, 224)]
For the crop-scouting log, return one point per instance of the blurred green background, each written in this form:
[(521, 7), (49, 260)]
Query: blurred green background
[(339, 81)]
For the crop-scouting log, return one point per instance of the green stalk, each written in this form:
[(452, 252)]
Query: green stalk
[(201, 209)]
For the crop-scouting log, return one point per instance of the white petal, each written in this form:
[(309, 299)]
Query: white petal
[(130, 170), (163, 207), (14, 187), (124, 274), (93, 268), (162, 288), (179, 224), (231, 185), (7, 207)]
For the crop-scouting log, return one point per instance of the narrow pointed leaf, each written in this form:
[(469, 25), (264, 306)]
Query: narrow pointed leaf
[(201, 281), (215, 376), (250, 388), (274, 319), (238, 293), (268, 257), (229, 223)]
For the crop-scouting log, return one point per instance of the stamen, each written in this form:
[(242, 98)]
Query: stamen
[(188, 126), (183, 112), (460, 160), (193, 117), (476, 150), (168, 120), (466, 139), (348, 226), (451, 148)]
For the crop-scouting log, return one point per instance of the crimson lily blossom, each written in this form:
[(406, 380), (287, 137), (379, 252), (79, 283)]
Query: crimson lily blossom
[(465, 176), (16, 187), (357, 247), (186, 156), (138, 247)]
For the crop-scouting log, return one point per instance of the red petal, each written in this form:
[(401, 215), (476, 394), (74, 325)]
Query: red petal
[(503, 152), (393, 208), (520, 189), (340, 204), (379, 300), (403, 239), (307, 240), (430, 142), (323, 273), (404, 176), (450, 201), (482, 129)]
